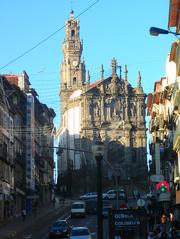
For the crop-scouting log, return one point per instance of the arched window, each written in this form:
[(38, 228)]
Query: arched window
[(72, 34), (74, 81)]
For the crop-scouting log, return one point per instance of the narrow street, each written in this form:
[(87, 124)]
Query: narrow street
[(41, 229)]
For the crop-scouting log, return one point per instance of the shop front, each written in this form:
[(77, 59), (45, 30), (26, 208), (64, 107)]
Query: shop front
[(6, 201)]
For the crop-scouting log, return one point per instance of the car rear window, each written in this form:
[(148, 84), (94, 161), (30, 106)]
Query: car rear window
[(60, 224), (77, 206), (79, 232)]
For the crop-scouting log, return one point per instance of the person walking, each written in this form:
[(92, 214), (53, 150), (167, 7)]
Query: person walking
[(54, 201), (174, 225), (150, 215), (23, 213), (35, 208), (163, 228)]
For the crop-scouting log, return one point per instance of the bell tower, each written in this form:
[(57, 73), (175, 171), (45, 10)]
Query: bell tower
[(72, 68)]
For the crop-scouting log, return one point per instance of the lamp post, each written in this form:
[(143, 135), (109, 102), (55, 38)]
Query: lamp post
[(155, 31), (98, 151)]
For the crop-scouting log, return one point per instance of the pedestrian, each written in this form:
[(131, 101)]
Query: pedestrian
[(139, 195), (35, 208), (54, 201), (23, 213), (174, 225), (150, 215), (163, 227)]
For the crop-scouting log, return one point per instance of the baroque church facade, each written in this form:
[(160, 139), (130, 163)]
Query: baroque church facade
[(110, 108)]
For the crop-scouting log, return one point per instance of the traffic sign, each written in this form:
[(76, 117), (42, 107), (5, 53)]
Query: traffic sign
[(140, 202), (164, 197), (155, 178), (128, 223)]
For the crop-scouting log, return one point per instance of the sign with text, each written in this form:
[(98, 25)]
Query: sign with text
[(128, 223)]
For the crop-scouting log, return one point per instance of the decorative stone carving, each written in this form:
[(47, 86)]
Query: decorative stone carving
[(133, 109), (97, 110)]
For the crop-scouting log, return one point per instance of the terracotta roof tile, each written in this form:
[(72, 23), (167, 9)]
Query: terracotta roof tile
[(95, 83)]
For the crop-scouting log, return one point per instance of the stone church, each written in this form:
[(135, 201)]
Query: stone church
[(110, 108)]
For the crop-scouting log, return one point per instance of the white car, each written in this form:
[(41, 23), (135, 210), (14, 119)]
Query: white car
[(78, 209), (80, 233), (90, 195), (112, 194)]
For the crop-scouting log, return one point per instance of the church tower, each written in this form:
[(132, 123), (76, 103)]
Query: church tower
[(110, 108), (72, 68)]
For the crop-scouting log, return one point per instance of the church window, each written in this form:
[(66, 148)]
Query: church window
[(142, 110), (74, 81), (72, 34), (15, 100)]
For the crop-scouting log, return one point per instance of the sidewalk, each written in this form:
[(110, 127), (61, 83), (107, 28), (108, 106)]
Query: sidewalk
[(11, 229)]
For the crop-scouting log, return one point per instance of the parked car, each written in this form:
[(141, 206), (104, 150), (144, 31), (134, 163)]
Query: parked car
[(90, 195), (60, 229), (78, 209), (112, 194), (80, 233)]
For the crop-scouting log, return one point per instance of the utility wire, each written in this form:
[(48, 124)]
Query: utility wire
[(45, 39)]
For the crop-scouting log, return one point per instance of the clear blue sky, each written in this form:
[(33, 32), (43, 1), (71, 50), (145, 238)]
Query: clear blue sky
[(110, 29)]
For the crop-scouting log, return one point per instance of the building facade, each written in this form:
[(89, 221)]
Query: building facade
[(27, 161), (6, 153), (110, 108), (163, 109)]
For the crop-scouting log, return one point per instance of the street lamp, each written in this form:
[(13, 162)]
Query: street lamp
[(155, 31), (98, 152)]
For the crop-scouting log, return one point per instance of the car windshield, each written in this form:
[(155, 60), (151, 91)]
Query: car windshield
[(77, 206), (60, 224), (79, 232)]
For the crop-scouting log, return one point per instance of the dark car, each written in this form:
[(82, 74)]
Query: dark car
[(91, 206), (60, 229)]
